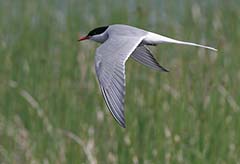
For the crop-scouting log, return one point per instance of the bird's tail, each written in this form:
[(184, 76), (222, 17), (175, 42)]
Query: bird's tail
[(156, 39)]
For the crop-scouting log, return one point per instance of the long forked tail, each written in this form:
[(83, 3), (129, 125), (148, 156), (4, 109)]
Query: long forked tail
[(155, 39)]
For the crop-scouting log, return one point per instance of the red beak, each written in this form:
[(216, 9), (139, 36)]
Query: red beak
[(83, 38)]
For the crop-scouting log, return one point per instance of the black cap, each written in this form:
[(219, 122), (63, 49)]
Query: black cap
[(97, 31)]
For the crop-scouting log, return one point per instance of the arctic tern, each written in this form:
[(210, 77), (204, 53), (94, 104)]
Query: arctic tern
[(118, 43)]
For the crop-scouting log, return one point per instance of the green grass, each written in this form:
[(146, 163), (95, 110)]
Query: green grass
[(51, 108)]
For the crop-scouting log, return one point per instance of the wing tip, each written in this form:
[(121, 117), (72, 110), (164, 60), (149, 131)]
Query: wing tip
[(122, 124), (164, 69), (119, 120)]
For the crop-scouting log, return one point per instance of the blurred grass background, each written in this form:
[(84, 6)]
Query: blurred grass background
[(51, 108)]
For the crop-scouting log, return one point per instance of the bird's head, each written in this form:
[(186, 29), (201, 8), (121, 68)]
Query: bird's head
[(98, 34)]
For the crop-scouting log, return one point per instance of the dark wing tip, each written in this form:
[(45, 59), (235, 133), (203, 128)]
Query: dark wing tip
[(123, 125), (144, 56), (119, 117), (163, 69)]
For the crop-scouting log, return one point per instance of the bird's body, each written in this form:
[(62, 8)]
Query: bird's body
[(118, 43)]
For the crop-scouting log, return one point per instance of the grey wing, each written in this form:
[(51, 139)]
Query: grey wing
[(144, 56), (110, 69)]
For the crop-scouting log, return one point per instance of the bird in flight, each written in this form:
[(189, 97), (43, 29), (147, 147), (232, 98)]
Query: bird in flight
[(118, 43)]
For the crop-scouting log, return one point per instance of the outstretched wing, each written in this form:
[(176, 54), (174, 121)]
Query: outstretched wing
[(110, 69), (144, 56)]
